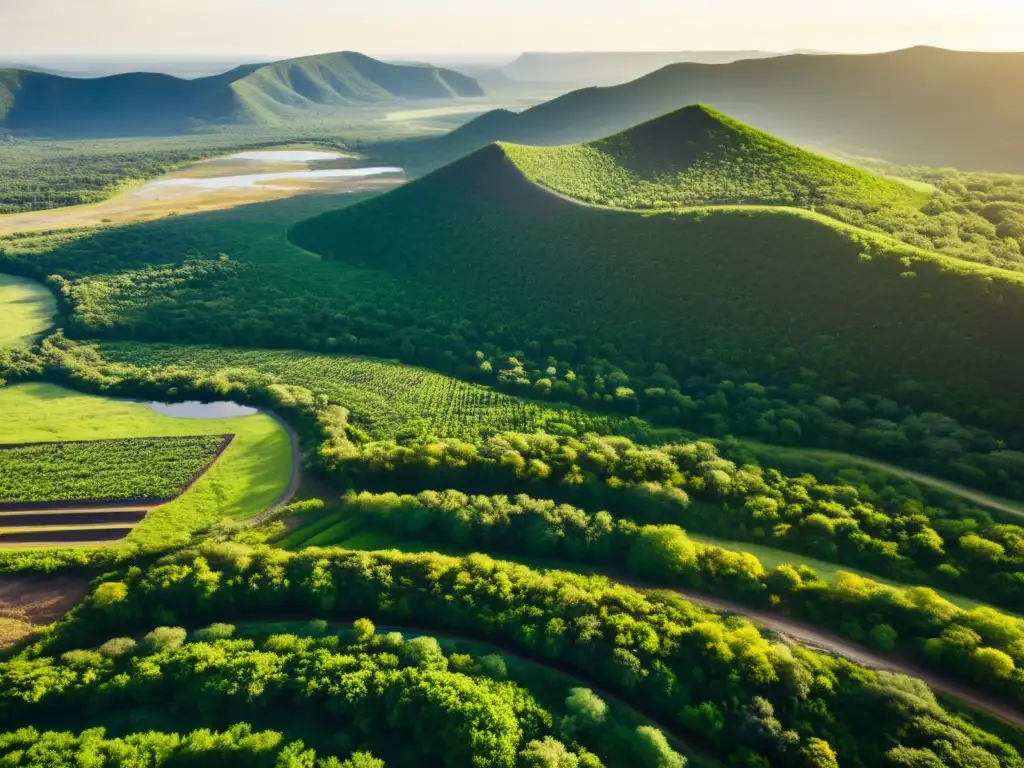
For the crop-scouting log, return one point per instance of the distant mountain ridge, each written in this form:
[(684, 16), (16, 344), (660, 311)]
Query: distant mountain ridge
[(919, 105), (610, 67), (143, 103)]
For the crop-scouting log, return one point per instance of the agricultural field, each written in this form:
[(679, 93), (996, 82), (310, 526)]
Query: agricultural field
[(248, 477), (140, 469), (27, 309), (387, 399)]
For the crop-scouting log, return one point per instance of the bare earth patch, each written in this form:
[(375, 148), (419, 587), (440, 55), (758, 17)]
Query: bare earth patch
[(27, 603)]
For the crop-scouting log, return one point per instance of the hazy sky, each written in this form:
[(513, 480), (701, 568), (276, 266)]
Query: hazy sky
[(293, 27)]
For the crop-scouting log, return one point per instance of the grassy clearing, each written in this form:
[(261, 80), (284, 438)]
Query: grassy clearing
[(246, 480), (27, 309)]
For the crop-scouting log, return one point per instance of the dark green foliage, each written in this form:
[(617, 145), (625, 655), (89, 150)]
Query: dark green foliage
[(803, 295), (407, 700), (980, 646), (890, 534), (645, 647), (238, 746), (154, 104), (894, 105), (105, 470)]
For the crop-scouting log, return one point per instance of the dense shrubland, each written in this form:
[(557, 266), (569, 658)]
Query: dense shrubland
[(104, 470), (757, 702), (405, 700), (692, 485), (980, 646), (237, 746)]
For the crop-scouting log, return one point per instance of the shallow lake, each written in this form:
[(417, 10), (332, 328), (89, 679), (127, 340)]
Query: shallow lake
[(193, 409), (262, 179), (287, 156)]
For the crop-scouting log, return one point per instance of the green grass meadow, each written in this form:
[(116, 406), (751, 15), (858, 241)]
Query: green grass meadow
[(248, 477)]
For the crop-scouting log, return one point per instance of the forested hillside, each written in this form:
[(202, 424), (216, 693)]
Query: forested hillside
[(144, 103), (896, 105), (773, 290)]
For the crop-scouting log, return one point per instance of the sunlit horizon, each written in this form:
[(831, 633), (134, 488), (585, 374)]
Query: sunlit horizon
[(464, 28)]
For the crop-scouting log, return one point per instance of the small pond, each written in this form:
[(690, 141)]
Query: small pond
[(287, 156), (193, 409), (262, 179)]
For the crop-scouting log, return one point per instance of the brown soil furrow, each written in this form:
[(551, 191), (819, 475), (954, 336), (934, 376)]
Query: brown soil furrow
[(72, 519)]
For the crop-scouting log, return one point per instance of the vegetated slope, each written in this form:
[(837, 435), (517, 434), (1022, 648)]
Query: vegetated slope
[(921, 105), (698, 156), (774, 289), (143, 103), (610, 67)]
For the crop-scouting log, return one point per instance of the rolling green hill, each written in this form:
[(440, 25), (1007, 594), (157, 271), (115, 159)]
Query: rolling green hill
[(781, 293), (921, 105), (143, 103), (698, 156)]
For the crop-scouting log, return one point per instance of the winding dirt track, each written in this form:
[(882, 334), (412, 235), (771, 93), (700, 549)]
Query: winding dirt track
[(819, 639), (980, 498), (295, 477)]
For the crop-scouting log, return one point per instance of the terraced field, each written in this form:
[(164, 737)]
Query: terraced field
[(83, 472), (95, 490), (153, 458)]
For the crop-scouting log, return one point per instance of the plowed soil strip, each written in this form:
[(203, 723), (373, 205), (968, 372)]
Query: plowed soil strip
[(63, 508), (67, 535), (47, 519)]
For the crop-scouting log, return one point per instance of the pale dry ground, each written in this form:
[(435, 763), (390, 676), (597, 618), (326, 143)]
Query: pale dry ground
[(150, 201), (27, 603)]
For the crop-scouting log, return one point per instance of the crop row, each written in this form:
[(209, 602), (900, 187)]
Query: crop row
[(104, 470), (386, 398)]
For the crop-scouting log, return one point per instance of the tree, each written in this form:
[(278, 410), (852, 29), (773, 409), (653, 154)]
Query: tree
[(215, 632), (364, 630), (549, 753), (818, 753), (425, 652), (661, 552), (587, 711), (992, 662), (653, 751), (883, 637), (109, 592), (165, 639)]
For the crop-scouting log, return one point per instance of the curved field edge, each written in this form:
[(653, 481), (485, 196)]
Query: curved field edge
[(248, 478), (27, 309)]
